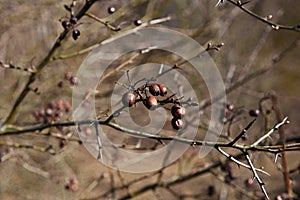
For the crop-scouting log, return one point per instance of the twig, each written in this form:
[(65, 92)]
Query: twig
[(48, 148), (261, 184), (244, 131), (230, 157), (30, 69), (265, 20), (100, 156), (105, 23), (276, 127)]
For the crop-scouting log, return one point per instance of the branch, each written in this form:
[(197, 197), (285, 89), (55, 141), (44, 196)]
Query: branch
[(276, 127), (48, 148), (265, 20), (261, 184), (42, 64)]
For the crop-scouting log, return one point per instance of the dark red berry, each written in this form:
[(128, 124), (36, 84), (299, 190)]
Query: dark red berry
[(68, 75), (75, 34), (111, 10), (73, 81), (128, 99), (176, 123), (211, 190), (151, 103), (60, 84), (178, 111), (163, 90), (154, 89), (254, 113), (73, 20), (66, 24), (138, 22)]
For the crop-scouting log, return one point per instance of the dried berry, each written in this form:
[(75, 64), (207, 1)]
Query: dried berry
[(128, 99), (177, 123), (111, 10), (75, 34), (163, 90), (73, 81), (66, 24), (178, 111), (138, 22), (60, 84), (73, 20), (254, 113), (72, 184), (211, 190), (154, 89), (151, 103)]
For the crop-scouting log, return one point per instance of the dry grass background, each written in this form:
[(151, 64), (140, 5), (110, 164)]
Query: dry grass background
[(27, 32)]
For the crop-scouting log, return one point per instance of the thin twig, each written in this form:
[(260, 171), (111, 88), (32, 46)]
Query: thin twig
[(105, 23), (230, 157), (276, 127), (48, 148), (261, 184), (265, 20), (244, 131)]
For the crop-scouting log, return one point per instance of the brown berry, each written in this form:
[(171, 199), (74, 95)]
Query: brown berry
[(151, 103), (128, 99), (254, 113), (178, 111), (68, 75), (60, 84), (154, 89), (176, 123), (163, 90)]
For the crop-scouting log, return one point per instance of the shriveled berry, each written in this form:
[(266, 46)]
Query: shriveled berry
[(73, 81), (254, 113), (66, 24), (75, 34), (68, 75), (154, 89), (178, 111), (128, 99), (138, 22), (73, 20), (60, 84), (151, 103), (176, 123), (111, 10), (163, 90)]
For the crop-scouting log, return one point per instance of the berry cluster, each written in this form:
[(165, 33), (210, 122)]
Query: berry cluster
[(71, 23), (68, 77), (152, 97), (52, 112)]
